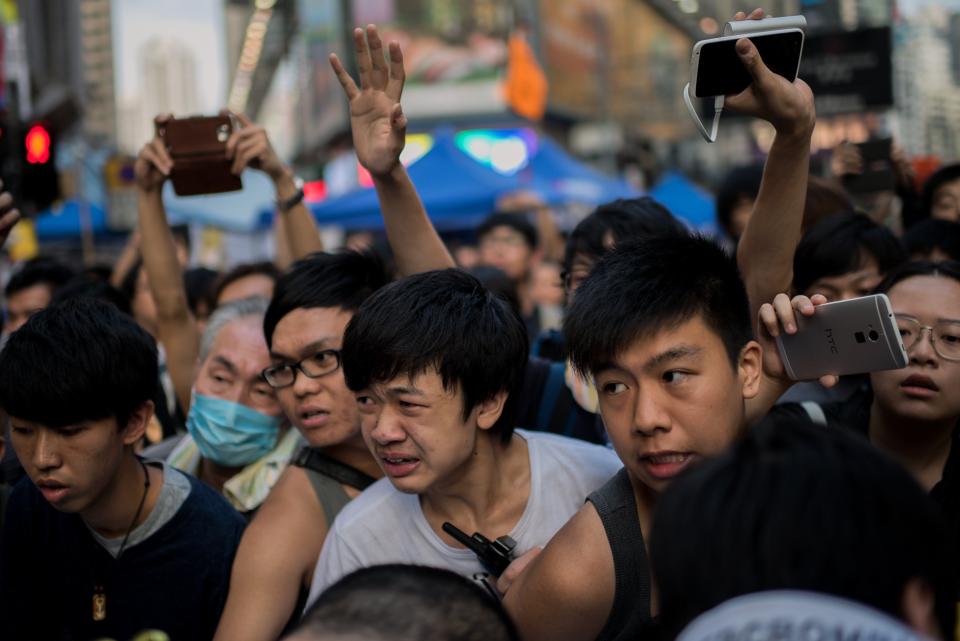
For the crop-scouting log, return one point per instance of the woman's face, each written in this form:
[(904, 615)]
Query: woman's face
[(926, 390)]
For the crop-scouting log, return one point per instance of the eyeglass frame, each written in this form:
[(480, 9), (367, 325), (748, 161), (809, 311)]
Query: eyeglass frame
[(933, 341), (298, 366)]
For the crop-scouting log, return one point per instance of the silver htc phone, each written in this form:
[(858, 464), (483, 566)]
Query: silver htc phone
[(847, 337)]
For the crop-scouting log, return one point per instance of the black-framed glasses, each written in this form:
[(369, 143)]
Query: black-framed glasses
[(944, 335), (324, 362)]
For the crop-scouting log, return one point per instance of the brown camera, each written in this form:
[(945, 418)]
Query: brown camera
[(198, 148)]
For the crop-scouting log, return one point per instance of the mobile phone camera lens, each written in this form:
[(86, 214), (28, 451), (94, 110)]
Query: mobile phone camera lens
[(873, 335)]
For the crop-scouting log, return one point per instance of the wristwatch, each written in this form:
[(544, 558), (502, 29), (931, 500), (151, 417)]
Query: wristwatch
[(294, 200)]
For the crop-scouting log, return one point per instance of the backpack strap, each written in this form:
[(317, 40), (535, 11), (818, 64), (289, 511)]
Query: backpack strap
[(313, 459)]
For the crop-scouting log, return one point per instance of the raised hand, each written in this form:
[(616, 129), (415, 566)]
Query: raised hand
[(249, 146), (788, 106), (376, 118), (9, 216), (153, 164), (780, 317)]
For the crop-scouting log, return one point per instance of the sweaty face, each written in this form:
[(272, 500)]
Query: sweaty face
[(926, 390), (71, 466), (247, 287), (946, 202), (416, 431), (25, 303), (672, 399), (506, 249), (323, 409), (232, 369), (850, 285)]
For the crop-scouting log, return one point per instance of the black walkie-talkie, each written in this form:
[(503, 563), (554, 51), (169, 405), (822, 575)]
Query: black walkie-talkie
[(494, 555)]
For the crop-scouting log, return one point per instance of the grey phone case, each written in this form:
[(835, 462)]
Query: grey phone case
[(847, 337)]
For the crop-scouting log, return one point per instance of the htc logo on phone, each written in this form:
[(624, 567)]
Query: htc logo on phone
[(831, 341)]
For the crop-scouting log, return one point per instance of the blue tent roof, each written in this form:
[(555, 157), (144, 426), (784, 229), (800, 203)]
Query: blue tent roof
[(560, 178), (686, 201), (457, 191), (63, 220)]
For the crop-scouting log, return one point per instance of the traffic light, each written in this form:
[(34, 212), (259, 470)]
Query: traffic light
[(39, 181)]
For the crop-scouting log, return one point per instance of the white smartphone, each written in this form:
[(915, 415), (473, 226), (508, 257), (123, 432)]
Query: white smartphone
[(847, 337), (716, 70)]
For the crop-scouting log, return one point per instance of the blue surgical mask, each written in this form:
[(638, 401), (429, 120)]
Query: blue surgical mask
[(229, 433)]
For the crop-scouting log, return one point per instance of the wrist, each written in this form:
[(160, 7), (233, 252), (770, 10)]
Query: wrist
[(392, 176), (284, 183)]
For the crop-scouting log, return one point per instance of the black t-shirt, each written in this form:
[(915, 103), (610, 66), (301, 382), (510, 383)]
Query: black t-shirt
[(175, 581)]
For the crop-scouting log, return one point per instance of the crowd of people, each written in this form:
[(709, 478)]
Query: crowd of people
[(589, 437)]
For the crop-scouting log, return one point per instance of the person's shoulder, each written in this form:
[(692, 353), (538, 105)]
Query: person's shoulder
[(207, 508), (564, 448), (373, 508)]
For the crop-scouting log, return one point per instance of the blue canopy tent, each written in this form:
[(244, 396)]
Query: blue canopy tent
[(457, 192), (686, 201), (63, 221), (559, 178)]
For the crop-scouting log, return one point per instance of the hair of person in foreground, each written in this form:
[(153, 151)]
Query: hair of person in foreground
[(798, 506), (405, 603)]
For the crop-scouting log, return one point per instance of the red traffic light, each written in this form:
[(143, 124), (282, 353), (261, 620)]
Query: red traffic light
[(38, 145)]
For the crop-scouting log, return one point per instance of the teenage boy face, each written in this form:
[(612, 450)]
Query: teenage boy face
[(73, 466), (322, 408), (416, 431), (926, 389), (232, 369), (673, 398), (506, 249), (860, 282)]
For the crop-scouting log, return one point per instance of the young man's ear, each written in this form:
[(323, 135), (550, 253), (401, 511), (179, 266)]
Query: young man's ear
[(137, 424), (750, 368), (489, 411), (919, 609)]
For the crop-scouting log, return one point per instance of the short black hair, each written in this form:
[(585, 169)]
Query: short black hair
[(344, 279), (406, 603), (517, 222), (199, 283), (644, 286), (263, 268), (85, 286), (839, 244), (797, 506), (616, 222), (77, 360), (933, 234), (740, 182), (945, 174), (947, 268), (497, 281), (443, 320), (42, 270)]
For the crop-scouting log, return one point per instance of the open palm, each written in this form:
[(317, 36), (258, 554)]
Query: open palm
[(376, 118)]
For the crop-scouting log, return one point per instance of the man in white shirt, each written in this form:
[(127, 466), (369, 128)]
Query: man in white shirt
[(436, 362)]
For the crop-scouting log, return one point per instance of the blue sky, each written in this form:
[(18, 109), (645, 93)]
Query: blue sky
[(198, 24)]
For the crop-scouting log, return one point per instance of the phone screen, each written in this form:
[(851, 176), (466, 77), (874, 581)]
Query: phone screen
[(720, 72)]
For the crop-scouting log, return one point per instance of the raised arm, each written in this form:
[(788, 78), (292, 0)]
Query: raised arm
[(249, 146), (765, 253), (379, 130), (176, 327)]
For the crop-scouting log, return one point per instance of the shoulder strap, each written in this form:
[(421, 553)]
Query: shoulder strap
[(313, 459), (330, 494), (617, 508), (815, 412)]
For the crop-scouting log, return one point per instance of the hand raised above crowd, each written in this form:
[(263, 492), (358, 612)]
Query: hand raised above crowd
[(788, 106), (154, 164), (9, 215), (780, 317), (249, 146), (376, 117)]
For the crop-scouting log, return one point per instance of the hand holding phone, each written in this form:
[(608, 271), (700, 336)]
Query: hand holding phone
[(854, 336), (198, 149)]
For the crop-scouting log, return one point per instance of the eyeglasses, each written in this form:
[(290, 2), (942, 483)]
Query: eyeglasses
[(945, 336), (324, 362)]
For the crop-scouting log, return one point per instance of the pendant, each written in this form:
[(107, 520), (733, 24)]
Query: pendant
[(99, 604)]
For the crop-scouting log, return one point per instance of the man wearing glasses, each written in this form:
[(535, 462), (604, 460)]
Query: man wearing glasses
[(303, 327)]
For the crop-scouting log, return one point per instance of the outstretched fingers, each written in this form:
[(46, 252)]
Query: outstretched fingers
[(349, 86), (397, 74), (364, 64), (378, 76)]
